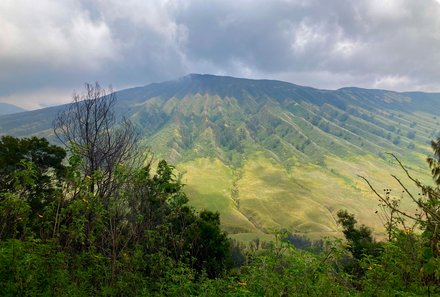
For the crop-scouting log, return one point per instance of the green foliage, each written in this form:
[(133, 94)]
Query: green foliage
[(137, 234), (398, 269), (410, 260), (29, 164), (402, 266), (14, 216), (142, 239), (360, 239), (208, 245), (434, 161), (283, 270), (30, 174)]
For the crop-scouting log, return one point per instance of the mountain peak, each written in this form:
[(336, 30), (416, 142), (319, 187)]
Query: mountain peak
[(199, 76), (222, 78), (253, 135)]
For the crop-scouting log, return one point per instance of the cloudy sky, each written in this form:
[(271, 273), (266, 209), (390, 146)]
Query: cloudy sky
[(48, 48)]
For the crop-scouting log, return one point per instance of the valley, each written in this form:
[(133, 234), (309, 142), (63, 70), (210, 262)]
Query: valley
[(270, 155)]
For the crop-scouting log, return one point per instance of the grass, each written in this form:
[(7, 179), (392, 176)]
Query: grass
[(303, 200), (284, 183), (209, 184), (298, 160)]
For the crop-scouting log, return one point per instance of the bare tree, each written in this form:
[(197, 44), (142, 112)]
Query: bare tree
[(89, 128), (427, 203)]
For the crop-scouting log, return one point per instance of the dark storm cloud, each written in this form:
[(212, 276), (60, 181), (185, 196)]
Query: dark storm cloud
[(322, 43), (48, 51)]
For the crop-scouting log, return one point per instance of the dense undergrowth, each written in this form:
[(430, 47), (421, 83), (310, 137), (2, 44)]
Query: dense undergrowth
[(61, 236)]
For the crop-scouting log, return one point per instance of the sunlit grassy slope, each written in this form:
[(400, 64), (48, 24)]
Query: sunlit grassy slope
[(269, 155), (304, 199)]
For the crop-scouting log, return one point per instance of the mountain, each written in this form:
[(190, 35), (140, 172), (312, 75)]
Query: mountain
[(6, 108), (270, 154)]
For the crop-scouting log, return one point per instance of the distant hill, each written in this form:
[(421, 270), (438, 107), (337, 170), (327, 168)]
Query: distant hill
[(6, 108), (270, 154)]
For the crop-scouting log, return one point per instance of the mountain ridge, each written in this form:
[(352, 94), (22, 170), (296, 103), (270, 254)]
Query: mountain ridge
[(7, 108), (270, 154), (197, 77)]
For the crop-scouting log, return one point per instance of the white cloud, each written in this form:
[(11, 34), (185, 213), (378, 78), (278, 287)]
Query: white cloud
[(306, 35), (52, 33), (387, 10), (390, 82), (346, 48), (58, 45)]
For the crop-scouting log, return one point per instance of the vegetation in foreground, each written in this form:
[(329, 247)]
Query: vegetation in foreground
[(59, 236), (98, 225)]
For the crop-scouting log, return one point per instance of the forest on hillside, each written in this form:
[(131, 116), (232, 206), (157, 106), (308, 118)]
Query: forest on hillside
[(100, 217)]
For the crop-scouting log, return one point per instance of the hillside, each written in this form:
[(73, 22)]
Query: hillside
[(271, 154)]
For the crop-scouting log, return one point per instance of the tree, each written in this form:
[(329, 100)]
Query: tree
[(360, 238), (425, 217), (36, 155), (427, 203), (89, 127), (434, 162), (30, 172), (46, 157), (208, 245)]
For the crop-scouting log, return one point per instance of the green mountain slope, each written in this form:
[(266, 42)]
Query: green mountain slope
[(270, 154)]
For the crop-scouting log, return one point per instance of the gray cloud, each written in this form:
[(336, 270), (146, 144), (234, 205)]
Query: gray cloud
[(52, 49)]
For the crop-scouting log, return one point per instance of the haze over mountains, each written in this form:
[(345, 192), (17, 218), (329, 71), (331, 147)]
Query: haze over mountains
[(270, 154), (6, 108)]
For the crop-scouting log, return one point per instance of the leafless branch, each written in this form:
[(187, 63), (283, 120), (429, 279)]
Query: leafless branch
[(89, 128), (387, 202)]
